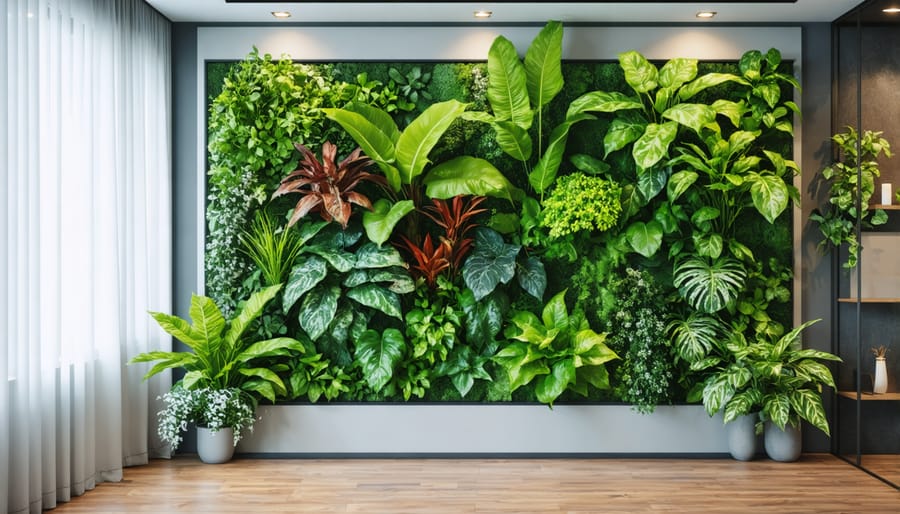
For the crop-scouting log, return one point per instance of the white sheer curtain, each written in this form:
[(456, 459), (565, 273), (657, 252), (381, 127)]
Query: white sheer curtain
[(86, 236)]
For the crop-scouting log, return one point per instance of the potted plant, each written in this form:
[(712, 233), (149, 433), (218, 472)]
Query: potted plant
[(837, 222), (774, 378), (223, 377)]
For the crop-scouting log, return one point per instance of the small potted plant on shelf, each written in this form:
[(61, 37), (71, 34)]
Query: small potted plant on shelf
[(222, 378), (838, 219), (880, 383)]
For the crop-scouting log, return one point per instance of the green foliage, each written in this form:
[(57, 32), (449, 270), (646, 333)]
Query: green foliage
[(495, 262), (559, 351), (709, 286), (313, 376), (774, 377), (848, 197), (637, 330), (271, 248), (579, 202), (222, 358), (339, 283)]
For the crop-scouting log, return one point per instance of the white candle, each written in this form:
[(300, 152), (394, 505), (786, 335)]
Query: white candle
[(885, 194)]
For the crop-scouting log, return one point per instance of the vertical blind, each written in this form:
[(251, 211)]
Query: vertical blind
[(85, 170)]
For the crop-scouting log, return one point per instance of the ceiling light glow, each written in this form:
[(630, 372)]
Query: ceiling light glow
[(891, 10), (483, 14), (281, 14), (706, 14)]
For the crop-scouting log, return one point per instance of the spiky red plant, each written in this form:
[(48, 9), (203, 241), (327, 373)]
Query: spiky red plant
[(457, 219), (328, 187), (431, 260)]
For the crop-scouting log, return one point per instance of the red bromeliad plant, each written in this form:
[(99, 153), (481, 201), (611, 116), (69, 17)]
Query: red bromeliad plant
[(456, 218), (328, 187)]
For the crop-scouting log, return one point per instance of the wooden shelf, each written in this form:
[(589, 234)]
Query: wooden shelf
[(891, 207), (870, 396), (870, 300)]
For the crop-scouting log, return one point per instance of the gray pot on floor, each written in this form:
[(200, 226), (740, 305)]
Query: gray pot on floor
[(783, 445), (743, 443)]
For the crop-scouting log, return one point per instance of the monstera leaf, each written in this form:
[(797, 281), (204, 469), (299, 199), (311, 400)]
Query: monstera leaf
[(709, 286)]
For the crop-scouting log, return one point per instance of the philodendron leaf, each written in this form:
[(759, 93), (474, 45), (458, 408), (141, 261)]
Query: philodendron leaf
[(706, 81), (384, 216), (492, 262), (731, 110), (467, 175), (622, 130), (640, 74), (600, 101), (555, 315), (645, 238), (513, 139), (395, 278), (543, 72), (318, 309), (532, 277), (507, 91), (651, 147), (694, 116), (677, 71), (651, 181), (521, 364), (378, 356), (549, 387), (377, 297), (417, 139), (770, 195), (305, 275), (679, 183)]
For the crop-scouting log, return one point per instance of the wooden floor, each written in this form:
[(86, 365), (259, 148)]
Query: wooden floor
[(815, 484)]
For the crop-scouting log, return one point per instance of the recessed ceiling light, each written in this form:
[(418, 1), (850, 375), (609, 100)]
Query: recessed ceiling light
[(706, 14), (281, 14), (483, 14), (891, 10)]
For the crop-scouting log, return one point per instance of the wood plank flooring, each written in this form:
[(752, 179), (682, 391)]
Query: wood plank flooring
[(818, 483)]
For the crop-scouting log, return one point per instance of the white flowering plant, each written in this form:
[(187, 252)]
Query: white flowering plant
[(214, 409)]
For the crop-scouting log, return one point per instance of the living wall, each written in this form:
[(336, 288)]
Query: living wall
[(509, 230)]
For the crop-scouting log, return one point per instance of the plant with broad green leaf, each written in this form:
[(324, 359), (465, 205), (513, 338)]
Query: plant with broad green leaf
[(774, 377), (494, 261), (837, 222), (221, 357), (557, 351), (314, 376), (403, 158), (339, 283)]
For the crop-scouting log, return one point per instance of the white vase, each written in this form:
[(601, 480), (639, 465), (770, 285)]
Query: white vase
[(880, 386), (215, 447)]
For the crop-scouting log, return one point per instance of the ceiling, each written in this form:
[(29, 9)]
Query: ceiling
[(222, 11)]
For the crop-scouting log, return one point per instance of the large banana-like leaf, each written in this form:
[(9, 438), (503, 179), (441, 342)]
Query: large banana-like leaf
[(269, 376), (467, 175), (168, 360), (544, 173), (709, 286), (543, 70), (507, 91), (180, 329), (270, 347), (208, 323), (376, 140), (378, 355), (513, 139), (417, 140), (251, 310)]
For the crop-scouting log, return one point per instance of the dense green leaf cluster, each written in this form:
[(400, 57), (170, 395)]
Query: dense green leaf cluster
[(581, 203)]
